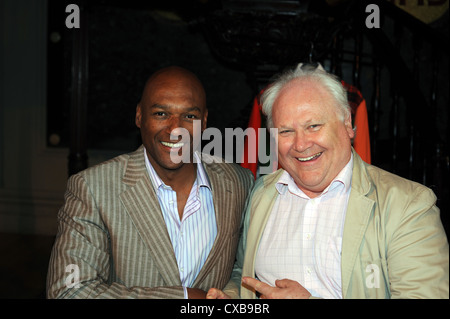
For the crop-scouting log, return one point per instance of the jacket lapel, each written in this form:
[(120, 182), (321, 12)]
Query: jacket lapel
[(357, 216), (260, 212), (141, 203), (222, 191)]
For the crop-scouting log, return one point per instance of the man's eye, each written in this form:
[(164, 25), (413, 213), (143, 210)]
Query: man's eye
[(315, 127), (191, 116), (159, 113)]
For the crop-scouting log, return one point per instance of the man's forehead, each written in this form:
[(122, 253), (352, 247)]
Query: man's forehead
[(306, 86), (160, 91), (170, 107)]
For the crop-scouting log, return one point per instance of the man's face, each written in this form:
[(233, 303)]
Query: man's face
[(314, 143), (169, 102)]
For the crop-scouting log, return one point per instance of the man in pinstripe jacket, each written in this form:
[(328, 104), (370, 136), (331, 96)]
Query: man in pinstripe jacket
[(141, 225)]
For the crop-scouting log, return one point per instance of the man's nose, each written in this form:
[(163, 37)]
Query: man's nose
[(174, 125), (302, 141), (173, 122)]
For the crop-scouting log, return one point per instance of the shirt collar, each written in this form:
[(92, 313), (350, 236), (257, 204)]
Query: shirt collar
[(201, 180), (344, 178)]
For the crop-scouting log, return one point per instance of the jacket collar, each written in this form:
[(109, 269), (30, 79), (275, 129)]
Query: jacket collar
[(141, 203), (222, 192), (357, 217)]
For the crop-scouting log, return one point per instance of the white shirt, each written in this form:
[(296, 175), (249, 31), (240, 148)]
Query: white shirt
[(193, 236), (302, 240)]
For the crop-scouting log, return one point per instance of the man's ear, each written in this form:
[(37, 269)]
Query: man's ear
[(349, 126), (138, 115)]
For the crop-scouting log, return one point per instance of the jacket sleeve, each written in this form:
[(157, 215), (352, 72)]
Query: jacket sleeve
[(232, 289), (81, 262), (417, 249)]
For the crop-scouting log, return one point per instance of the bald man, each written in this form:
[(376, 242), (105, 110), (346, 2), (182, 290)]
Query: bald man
[(142, 225)]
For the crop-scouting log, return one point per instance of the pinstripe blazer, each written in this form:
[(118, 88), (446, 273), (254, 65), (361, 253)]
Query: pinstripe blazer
[(112, 235)]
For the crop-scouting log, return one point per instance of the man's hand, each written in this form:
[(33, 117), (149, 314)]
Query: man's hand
[(195, 293), (285, 289), (215, 293)]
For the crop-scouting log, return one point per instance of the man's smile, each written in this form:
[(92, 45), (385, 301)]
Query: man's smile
[(172, 145), (310, 158)]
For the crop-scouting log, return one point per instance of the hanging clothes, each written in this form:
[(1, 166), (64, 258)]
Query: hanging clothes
[(361, 142), (254, 122)]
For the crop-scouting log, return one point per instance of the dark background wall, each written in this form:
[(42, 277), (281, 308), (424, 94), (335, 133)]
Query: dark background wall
[(126, 45)]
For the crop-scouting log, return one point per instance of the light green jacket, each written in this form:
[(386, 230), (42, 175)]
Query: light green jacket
[(394, 245)]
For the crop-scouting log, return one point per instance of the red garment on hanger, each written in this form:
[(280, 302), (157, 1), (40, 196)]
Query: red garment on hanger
[(361, 142), (254, 122)]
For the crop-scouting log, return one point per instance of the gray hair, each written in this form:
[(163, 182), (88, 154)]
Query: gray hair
[(327, 80)]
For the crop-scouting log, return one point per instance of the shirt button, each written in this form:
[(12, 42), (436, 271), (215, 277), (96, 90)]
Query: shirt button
[(308, 236)]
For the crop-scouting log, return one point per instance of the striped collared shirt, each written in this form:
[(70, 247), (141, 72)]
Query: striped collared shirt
[(302, 240), (193, 236)]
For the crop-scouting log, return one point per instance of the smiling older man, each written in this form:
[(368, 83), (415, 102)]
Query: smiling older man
[(328, 225)]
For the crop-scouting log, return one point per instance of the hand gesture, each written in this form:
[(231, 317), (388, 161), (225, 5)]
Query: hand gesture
[(284, 289), (215, 293)]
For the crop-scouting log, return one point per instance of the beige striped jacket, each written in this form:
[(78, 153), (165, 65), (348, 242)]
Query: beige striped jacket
[(112, 241)]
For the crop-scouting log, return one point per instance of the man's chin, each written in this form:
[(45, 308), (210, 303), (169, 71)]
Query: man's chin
[(171, 165)]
